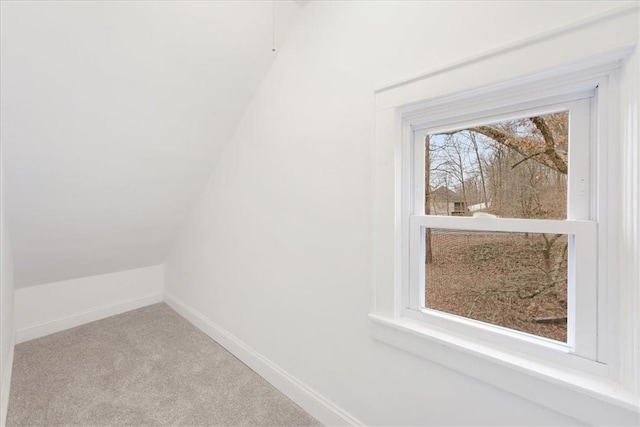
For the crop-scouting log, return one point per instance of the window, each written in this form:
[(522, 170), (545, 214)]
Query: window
[(523, 261), (506, 217)]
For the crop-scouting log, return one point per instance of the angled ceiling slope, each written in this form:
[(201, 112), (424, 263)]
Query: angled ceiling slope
[(112, 115)]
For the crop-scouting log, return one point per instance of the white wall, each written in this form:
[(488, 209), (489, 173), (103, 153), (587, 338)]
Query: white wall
[(112, 115), (52, 307), (277, 251), (6, 316)]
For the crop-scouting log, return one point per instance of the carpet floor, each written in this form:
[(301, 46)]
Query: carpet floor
[(144, 367)]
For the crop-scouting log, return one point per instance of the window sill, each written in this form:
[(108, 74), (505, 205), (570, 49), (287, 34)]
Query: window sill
[(583, 396)]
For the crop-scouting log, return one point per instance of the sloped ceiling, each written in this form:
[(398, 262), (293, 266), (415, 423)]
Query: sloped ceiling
[(112, 115)]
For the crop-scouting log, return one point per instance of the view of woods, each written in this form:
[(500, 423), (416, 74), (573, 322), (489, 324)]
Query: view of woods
[(512, 169)]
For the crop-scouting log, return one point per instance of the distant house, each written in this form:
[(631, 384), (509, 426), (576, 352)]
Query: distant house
[(444, 201)]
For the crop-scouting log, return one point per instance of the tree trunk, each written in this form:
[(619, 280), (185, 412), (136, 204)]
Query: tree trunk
[(427, 197), (461, 171), (484, 186)]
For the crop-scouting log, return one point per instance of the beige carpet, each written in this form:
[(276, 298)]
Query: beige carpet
[(145, 367)]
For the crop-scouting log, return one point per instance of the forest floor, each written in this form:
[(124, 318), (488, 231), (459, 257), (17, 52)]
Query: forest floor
[(500, 278)]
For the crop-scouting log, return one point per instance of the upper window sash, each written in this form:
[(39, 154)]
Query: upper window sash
[(580, 199)]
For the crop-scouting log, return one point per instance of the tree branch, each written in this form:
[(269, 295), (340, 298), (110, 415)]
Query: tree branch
[(551, 152), (527, 158), (552, 156)]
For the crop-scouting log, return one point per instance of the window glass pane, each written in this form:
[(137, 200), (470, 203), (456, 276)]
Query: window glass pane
[(514, 280), (513, 169)]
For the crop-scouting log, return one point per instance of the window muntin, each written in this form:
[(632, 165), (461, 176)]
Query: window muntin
[(573, 184)]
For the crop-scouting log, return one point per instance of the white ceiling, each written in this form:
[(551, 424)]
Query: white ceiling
[(112, 115)]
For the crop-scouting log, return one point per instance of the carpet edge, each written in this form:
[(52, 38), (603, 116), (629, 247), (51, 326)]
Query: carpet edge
[(315, 404), (49, 327)]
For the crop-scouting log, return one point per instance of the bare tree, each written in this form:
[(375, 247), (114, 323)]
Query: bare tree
[(474, 142), (427, 197), (546, 151)]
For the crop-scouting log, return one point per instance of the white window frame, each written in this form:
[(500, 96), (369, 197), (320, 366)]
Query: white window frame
[(604, 389), (581, 226)]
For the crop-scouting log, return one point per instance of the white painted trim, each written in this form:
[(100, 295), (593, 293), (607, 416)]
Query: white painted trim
[(587, 398), (318, 406), (6, 386), (50, 327)]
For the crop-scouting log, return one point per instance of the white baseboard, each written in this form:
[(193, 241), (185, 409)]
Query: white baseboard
[(6, 386), (320, 408), (52, 326)]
